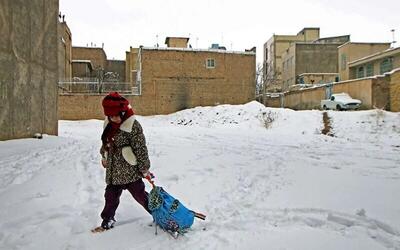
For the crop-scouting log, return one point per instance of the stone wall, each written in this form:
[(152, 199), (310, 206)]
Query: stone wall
[(28, 68)]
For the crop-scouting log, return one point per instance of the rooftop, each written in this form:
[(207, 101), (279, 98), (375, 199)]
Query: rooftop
[(199, 50)]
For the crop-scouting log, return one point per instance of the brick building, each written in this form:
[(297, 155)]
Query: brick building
[(176, 78)]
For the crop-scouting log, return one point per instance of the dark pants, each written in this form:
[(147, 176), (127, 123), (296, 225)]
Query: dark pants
[(113, 192)]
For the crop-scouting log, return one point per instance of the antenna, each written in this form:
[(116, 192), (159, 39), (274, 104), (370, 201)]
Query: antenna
[(393, 41), (157, 41)]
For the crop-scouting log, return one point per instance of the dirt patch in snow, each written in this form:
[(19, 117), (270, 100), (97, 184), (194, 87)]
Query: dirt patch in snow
[(327, 125)]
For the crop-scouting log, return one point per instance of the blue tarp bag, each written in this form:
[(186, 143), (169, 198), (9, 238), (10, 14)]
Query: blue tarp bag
[(169, 213)]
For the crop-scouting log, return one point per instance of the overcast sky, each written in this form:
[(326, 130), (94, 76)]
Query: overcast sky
[(237, 25)]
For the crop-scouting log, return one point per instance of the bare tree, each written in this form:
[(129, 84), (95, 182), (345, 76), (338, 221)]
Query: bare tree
[(269, 79), (259, 79)]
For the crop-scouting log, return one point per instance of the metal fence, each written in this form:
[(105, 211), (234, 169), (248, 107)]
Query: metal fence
[(92, 87)]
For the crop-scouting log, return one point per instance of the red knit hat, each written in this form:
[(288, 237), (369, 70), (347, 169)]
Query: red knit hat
[(114, 104)]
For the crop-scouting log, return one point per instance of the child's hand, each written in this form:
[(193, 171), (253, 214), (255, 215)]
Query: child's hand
[(104, 162), (148, 175)]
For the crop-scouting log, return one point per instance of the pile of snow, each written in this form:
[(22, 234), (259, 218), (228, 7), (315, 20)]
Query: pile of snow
[(265, 178)]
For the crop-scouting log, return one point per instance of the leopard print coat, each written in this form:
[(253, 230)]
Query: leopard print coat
[(126, 156)]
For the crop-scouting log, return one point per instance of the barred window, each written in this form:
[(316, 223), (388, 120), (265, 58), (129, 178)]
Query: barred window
[(360, 72), (210, 63), (370, 69), (386, 65)]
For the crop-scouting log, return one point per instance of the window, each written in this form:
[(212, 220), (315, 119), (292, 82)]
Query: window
[(210, 63), (370, 69), (386, 65), (360, 72), (343, 61)]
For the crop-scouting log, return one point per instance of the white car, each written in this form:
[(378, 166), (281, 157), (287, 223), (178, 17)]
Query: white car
[(340, 101)]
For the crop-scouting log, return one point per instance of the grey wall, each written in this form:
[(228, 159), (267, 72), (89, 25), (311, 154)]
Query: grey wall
[(28, 68), (316, 58)]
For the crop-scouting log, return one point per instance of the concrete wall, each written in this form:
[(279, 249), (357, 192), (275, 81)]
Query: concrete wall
[(81, 69), (289, 67), (307, 99), (96, 55), (316, 58), (117, 66), (28, 68), (359, 89), (308, 58)]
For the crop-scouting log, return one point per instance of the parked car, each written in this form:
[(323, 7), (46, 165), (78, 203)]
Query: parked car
[(341, 101)]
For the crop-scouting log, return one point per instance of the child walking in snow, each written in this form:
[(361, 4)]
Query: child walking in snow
[(124, 156)]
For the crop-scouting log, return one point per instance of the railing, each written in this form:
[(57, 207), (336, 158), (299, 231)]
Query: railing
[(91, 87)]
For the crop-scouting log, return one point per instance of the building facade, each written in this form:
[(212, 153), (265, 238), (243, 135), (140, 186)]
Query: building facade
[(273, 50), (176, 78), (314, 59), (96, 56), (351, 51), (375, 64)]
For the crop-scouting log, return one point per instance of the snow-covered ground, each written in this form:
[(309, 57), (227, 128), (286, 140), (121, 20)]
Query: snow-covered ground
[(262, 184)]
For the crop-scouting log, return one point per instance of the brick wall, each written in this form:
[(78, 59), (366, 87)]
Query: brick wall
[(172, 81)]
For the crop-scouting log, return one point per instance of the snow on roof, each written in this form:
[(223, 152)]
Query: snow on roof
[(305, 74), (200, 50), (81, 61)]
